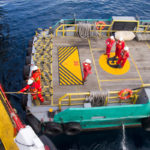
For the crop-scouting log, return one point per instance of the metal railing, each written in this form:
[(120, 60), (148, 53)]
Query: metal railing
[(69, 99), (107, 28)]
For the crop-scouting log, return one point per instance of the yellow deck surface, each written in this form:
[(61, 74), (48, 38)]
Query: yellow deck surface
[(69, 66), (115, 71), (6, 129)]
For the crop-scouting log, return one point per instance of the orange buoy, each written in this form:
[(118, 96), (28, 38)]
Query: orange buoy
[(100, 23), (122, 92)]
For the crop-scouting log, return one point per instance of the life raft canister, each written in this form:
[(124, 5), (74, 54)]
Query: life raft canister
[(123, 92), (100, 23)]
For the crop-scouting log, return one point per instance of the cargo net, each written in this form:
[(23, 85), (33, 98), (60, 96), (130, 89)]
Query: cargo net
[(97, 98), (43, 59), (86, 30)]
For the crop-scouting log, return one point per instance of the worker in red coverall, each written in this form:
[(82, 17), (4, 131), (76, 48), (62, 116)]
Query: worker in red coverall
[(124, 56), (36, 74), (109, 43), (120, 44), (86, 68), (34, 88)]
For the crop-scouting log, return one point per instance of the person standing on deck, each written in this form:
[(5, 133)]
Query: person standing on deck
[(120, 44), (86, 68), (124, 56), (109, 43), (36, 74), (34, 88)]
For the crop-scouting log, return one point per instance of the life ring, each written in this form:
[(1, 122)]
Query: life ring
[(122, 92), (100, 23)]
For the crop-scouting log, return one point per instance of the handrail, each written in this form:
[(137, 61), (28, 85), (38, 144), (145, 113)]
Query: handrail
[(137, 30), (68, 98)]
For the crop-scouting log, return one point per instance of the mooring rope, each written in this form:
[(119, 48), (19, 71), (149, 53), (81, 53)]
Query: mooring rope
[(97, 98), (84, 30), (21, 92)]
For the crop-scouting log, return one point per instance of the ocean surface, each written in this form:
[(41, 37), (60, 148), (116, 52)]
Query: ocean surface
[(18, 21)]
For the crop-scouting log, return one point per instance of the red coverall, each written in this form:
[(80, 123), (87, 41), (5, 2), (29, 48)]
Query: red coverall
[(109, 44), (119, 46), (86, 70), (123, 58), (36, 76), (34, 88)]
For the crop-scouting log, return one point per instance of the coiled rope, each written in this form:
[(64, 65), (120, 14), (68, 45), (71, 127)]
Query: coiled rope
[(97, 98), (84, 30)]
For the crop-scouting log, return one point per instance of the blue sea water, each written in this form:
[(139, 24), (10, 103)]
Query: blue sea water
[(18, 21)]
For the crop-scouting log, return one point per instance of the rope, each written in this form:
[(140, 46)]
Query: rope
[(97, 98), (21, 93), (84, 30)]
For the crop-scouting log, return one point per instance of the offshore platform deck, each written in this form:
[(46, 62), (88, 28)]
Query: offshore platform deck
[(62, 70)]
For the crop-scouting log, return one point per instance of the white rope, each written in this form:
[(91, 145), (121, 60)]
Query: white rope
[(84, 30), (97, 98)]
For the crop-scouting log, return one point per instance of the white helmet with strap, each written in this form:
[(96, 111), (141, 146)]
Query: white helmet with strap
[(120, 39), (88, 61), (30, 81), (112, 37), (126, 48), (34, 68)]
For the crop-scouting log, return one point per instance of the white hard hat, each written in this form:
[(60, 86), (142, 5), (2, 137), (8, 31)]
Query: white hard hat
[(34, 68), (120, 39), (88, 61), (126, 48), (30, 81), (112, 37)]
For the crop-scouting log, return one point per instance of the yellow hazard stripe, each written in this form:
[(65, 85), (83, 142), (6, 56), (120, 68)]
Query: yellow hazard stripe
[(70, 74), (66, 77), (61, 55), (66, 54), (62, 50), (62, 82), (71, 78), (62, 78)]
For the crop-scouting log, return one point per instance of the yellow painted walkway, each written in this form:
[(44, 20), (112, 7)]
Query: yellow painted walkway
[(69, 66)]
